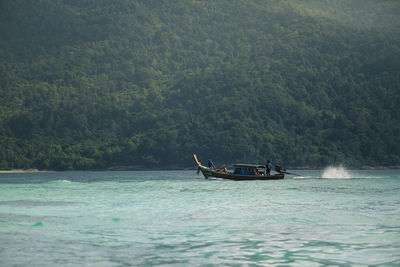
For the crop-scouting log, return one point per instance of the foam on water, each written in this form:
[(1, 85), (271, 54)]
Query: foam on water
[(338, 172)]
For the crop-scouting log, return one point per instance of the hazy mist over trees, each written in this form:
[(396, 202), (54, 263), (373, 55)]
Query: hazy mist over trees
[(94, 84)]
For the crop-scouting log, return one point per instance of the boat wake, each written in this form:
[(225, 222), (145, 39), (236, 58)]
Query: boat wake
[(338, 172)]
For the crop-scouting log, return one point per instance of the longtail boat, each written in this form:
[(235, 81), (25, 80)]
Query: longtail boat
[(241, 172)]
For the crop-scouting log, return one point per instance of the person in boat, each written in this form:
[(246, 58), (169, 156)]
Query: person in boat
[(223, 169), (268, 169), (255, 172)]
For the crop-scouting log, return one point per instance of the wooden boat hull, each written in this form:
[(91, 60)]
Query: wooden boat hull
[(207, 172)]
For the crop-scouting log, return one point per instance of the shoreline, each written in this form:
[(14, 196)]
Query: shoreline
[(184, 169), (21, 171)]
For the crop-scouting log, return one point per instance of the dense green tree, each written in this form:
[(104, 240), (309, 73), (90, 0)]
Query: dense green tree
[(97, 84)]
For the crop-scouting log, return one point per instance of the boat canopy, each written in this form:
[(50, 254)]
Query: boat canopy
[(251, 166)]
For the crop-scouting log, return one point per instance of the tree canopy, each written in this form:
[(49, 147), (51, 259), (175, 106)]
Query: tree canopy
[(141, 83)]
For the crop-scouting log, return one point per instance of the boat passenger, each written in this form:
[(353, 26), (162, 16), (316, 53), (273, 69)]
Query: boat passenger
[(254, 172), (268, 168), (223, 169)]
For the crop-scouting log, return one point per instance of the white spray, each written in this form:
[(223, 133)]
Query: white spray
[(338, 172)]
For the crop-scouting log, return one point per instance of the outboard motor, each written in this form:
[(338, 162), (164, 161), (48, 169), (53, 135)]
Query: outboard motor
[(278, 168)]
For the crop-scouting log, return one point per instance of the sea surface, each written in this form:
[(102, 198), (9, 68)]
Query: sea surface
[(177, 218)]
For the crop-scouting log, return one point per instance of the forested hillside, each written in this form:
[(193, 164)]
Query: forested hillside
[(94, 84)]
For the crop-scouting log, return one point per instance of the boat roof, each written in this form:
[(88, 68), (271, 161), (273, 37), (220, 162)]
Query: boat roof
[(248, 166)]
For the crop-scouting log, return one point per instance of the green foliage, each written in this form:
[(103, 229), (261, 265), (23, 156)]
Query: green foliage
[(98, 84)]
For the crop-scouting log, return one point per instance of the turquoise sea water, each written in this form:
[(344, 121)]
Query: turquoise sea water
[(176, 218)]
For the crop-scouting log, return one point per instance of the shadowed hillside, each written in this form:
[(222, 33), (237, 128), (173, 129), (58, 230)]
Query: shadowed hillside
[(98, 84)]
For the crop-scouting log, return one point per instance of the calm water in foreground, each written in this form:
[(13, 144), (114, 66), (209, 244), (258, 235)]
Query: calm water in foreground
[(176, 218)]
